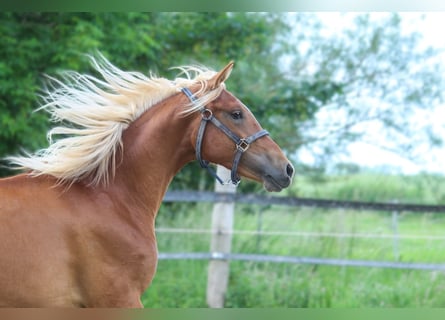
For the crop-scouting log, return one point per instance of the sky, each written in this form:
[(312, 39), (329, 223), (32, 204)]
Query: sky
[(431, 26)]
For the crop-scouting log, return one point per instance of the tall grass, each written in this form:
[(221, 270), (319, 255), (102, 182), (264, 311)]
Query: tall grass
[(183, 283), (422, 188)]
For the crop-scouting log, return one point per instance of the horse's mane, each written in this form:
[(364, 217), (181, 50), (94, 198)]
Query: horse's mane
[(94, 112)]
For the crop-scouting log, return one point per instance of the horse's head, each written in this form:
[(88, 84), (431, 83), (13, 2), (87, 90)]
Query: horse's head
[(229, 134)]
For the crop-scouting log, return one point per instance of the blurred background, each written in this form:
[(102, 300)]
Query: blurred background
[(356, 100)]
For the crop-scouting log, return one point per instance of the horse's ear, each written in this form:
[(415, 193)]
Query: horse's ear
[(221, 76)]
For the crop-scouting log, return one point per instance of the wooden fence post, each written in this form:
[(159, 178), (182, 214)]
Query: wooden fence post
[(395, 230), (222, 227)]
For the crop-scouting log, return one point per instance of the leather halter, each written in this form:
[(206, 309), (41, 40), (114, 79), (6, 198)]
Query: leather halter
[(242, 144)]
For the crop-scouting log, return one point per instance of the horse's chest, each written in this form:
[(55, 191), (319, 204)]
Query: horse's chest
[(141, 266), (116, 274)]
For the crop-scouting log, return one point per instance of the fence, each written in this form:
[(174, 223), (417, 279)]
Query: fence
[(222, 231), (213, 197)]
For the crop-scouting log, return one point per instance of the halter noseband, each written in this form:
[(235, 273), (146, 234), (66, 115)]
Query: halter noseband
[(242, 144)]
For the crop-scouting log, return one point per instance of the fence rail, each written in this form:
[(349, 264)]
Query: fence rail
[(207, 196), (299, 260), (306, 234)]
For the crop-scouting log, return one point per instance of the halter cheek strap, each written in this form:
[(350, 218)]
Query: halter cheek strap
[(242, 144)]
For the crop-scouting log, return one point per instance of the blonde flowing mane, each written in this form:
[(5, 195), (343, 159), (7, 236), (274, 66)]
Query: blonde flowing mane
[(93, 113)]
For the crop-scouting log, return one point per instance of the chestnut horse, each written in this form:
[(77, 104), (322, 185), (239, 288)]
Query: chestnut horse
[(77, 229)]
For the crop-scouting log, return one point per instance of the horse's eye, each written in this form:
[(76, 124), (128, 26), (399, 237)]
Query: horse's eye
[(236, 115)]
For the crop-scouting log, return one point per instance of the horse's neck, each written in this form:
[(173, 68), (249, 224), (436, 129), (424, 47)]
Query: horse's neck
[(156, 147)]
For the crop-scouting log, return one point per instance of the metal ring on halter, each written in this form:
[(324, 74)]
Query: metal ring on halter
[(206, 114)]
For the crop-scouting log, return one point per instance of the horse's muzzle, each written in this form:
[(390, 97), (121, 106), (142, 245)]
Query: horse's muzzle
[(276, 180)]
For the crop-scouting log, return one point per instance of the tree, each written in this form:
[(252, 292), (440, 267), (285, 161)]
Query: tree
[(371, 76)]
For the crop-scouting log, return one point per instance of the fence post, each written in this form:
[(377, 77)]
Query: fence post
[(395, 230), (222, 226)]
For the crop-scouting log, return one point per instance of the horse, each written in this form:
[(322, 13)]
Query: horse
[(77, 225)]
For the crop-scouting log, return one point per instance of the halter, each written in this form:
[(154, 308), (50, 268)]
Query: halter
[(242, 144)]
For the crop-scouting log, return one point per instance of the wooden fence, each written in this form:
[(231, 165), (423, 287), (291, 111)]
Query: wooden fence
[(224, 199)]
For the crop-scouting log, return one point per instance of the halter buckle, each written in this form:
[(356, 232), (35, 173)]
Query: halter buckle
[(242, 145), (230, 182)]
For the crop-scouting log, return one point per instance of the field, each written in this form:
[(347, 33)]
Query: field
[(309, 232)]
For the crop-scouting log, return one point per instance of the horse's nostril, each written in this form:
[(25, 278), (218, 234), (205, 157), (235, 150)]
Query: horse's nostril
[(289, 170)]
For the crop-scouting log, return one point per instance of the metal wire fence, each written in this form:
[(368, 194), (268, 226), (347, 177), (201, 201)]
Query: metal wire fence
[(194, 196)]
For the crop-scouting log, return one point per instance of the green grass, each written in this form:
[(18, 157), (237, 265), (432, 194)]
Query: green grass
[(183, 283)]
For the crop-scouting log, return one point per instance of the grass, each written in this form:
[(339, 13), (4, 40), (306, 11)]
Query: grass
[(183, 283)]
